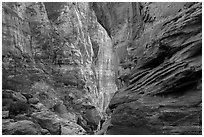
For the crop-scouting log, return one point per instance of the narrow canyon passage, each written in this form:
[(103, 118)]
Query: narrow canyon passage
[(103, 68)]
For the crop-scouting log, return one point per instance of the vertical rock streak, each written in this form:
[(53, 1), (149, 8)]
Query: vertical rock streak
[(106, 74)]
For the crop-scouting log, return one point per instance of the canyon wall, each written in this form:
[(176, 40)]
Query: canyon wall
[(67, 67), (159, 51), (58, 53)]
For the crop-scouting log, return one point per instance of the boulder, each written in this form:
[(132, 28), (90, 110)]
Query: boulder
[(48, 120), (57, 125), (23, 127), (92, 116), (33, 100), (61, 110), (45, 132), (17, 96), (66, 131), (22, 117), (72, 129), (40, 107)]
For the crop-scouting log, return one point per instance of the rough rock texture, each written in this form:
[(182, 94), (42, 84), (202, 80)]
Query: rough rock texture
[(162, 93), (62, 63), (56, 53), (23, 127)]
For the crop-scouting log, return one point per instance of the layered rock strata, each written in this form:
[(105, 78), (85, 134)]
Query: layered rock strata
[(110, 68), (161, 73)]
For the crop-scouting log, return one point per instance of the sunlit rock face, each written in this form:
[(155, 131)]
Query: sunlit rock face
[(59, 50), (77, 23), (105, 69), (123, 23)]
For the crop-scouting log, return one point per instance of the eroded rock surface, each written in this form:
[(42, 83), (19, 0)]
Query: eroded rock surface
[(23, 127), (101, 68), (163, 86), (55, 53)]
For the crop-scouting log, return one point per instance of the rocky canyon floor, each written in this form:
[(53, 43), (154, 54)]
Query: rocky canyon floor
[(101, 68)]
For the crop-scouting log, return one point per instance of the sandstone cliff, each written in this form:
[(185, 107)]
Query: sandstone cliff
[(58, 52), (67, 67), (161, 69)]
